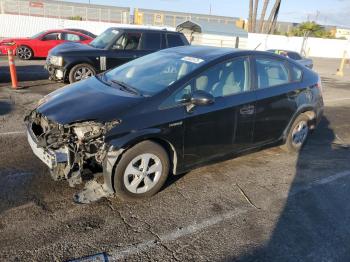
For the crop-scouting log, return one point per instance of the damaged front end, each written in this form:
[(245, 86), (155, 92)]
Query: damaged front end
[(74, 152)]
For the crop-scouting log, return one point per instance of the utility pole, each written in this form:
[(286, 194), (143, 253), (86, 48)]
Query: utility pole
[(210, 9)]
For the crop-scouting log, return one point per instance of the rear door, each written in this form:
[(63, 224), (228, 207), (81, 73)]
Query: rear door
[(276, 96), (124, 49)]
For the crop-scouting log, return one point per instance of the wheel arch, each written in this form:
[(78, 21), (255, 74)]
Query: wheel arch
[(309, 111), (113, 159), (73, 63)]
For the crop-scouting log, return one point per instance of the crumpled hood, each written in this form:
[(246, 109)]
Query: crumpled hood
[(87, 100)]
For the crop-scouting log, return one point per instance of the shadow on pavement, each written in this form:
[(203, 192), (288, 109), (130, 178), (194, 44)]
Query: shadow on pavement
[(5, 107), (24, 73), (314, 223)]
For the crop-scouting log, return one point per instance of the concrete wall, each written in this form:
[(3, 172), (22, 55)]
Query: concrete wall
[(314, 47)]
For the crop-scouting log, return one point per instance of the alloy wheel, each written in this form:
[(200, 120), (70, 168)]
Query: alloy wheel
[(82, 73), (142, 173), (299, 133), (24, 53)]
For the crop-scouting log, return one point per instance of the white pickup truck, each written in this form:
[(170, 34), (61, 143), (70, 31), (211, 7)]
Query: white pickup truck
[(295, 56)]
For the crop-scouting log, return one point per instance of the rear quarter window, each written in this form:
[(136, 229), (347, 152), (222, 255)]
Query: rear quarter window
[(296, 74)]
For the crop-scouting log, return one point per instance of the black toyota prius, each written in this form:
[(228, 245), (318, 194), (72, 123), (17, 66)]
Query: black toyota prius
[(171, 111)]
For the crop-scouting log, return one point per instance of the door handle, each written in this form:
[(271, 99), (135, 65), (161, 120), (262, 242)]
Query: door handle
[(247, 110)]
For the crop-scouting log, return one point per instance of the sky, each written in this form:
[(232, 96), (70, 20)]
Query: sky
[(328, 12)]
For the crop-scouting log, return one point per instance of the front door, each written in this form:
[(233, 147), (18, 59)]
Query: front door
[(226, 126)]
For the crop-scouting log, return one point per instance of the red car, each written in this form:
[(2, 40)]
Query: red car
[(40, 44)]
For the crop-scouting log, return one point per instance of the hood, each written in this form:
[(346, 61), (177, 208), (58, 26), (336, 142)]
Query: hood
[(74, 48), (87, 100), (13, 40)]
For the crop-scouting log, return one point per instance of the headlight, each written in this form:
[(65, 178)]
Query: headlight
[(8, 43), (88, 131), (56, 60)]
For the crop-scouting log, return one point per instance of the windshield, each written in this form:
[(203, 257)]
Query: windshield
[(153, 73), (38, 34), (104, 39)]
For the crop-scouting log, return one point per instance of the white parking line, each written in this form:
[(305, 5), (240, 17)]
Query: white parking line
[(191, 229), (336, 100), (13, 133), (122, 253)]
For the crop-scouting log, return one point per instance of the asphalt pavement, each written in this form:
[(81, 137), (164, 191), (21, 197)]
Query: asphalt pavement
[(265, 206)]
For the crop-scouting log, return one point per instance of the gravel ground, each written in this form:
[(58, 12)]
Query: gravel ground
[(265, 206)]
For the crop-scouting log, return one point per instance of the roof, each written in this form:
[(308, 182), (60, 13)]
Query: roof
[(214, 28), (206, 53)]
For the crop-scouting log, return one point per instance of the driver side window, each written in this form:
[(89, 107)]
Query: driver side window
[(179, 97), (52, 36), (128, 41)]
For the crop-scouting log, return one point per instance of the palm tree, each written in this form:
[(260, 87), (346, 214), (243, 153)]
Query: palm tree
[(250, 18), (255, 13), (271, 22), (262, 17)]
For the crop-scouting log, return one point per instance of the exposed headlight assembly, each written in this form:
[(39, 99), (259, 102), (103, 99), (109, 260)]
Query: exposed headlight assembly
[(91, 130), (56, 60)]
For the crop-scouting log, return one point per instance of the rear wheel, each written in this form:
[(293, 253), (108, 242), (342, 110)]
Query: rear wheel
[(81, 72), (24, 52), (298, 134), (142, 171)]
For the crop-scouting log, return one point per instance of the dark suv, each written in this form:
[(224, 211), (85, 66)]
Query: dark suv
[(73, 62), (172, 111)]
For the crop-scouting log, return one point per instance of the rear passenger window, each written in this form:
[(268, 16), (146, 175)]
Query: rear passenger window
[(296, 73), (150, 41), (271, 72), (71, 37), (174, 40)]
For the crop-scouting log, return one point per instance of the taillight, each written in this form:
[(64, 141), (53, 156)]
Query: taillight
[(319, 84)]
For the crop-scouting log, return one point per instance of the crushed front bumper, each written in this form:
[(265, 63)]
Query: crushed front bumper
[(50, 157), (55, 73)]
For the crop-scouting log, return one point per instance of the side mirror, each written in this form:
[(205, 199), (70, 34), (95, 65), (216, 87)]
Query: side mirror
[(201, 98)]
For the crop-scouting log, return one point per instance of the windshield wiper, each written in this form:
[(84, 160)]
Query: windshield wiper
[(126, 87)]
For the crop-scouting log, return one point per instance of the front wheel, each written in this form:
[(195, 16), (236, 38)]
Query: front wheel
[(24, 53), (297, 134), (81, 72), (142, 171)]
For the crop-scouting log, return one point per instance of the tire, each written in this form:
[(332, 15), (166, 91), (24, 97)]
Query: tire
[(297, 135), (130, 182), (81, 72), (24, 52)]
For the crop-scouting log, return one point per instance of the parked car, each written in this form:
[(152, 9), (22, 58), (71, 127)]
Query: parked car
[(40, 44), (295, 56), (85, 32), (174, 110), (112, 48)]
